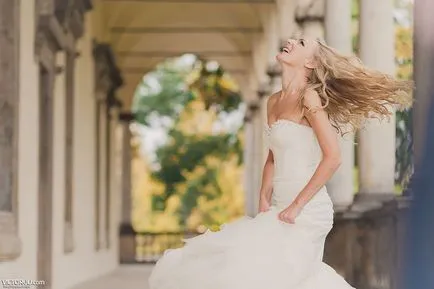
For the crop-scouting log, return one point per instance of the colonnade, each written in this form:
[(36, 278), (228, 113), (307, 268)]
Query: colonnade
[(374, 144)]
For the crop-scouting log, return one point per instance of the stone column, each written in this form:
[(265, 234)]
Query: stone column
[(263, 94), (248, 173), (419, 232), (126, 175), (419, 235), (339, 249), (309, 15), (376, 151), (338, 35), (258, 152), (423, 71), (286, 19), (251, 162), (280, 30), (127, 244), (107, 81), (10, 243), (301, 18), (265, 90), (259, 84)]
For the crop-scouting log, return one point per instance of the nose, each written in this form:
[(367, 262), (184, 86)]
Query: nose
[(290, 41)]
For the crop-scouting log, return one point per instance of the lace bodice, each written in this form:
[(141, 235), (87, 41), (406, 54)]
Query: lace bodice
[(295, 149)]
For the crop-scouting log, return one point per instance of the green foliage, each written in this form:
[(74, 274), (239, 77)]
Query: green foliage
[(178, 85), (184, 153), (355, 25), (404, 137), (194, 190), (183, 170), (215, 90), (167, 100), (404, 147)]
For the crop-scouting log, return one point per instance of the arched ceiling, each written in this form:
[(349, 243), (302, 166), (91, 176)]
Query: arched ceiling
[(143, 33)]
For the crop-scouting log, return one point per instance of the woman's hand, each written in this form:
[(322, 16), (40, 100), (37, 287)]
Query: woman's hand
[(264, 204), (289, 214)]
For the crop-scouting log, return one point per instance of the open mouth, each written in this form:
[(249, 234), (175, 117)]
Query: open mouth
[(287, 49)]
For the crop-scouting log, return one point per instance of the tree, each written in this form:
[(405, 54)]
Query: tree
[(189, 172), (404, 139)]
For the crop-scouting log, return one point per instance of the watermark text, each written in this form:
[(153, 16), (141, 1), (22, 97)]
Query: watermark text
[(21, 283)]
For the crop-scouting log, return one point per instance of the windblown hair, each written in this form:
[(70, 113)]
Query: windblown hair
[(350, 92)]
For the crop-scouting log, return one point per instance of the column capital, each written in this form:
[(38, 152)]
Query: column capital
[(254, 107), (310, 11), (273, 71), (127, 117), (252, 110), (60, 22), (108, 76), (70, 15), (263, 90)]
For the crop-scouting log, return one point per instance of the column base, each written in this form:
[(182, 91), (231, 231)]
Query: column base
[(10, 242), (365, 202), (365, 244), (340, 208), (127, 243), (10, 247), (68, 238)]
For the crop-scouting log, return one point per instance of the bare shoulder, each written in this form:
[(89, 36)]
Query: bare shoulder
[(312, 101), (272, 100)]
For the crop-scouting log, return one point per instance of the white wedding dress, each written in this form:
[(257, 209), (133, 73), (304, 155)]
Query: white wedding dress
[(263, 252)]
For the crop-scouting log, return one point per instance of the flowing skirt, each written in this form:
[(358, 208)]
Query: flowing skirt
[(255, 253)]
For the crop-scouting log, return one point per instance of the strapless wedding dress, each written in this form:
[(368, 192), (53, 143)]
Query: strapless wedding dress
[(263, 252)]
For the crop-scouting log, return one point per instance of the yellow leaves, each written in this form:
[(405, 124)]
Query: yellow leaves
[(219, 201), (173, 203), (195, 120), (195, 219), (228, 83), (227, 206), (403, 43), (192, 77), (212, 161), (163, 222), (199, 170), (143, 189), (404, 52), (404, 71)]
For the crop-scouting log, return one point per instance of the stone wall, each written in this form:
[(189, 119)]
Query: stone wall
[(366, 246), (10, 245)]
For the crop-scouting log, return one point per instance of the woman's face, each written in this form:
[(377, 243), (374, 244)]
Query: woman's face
[(297, 52)]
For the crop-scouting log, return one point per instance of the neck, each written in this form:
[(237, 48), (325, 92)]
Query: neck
[(293, 81)]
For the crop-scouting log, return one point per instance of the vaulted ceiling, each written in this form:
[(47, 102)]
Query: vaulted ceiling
[(143, 33)]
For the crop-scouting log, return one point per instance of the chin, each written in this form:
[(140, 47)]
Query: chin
[(283, 59), (279, 57)]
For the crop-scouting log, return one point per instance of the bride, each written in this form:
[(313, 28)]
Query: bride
[(322, 93)]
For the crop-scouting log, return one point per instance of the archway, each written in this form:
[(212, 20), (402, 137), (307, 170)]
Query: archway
[(187, 165)]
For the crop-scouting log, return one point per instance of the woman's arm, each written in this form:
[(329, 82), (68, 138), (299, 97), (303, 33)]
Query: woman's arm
[(268, 171), (267, 176), (330, 162)]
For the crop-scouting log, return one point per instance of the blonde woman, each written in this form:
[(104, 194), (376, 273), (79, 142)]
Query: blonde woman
[(282, 247)]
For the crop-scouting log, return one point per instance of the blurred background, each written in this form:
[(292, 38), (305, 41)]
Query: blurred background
[(128, 125)]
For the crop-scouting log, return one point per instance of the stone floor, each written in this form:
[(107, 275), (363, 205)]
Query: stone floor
[(125, 277)]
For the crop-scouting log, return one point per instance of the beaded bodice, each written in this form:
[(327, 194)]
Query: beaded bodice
[(295, 150)]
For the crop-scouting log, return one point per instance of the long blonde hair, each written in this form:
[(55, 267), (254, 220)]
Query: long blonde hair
[(350, 92)]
